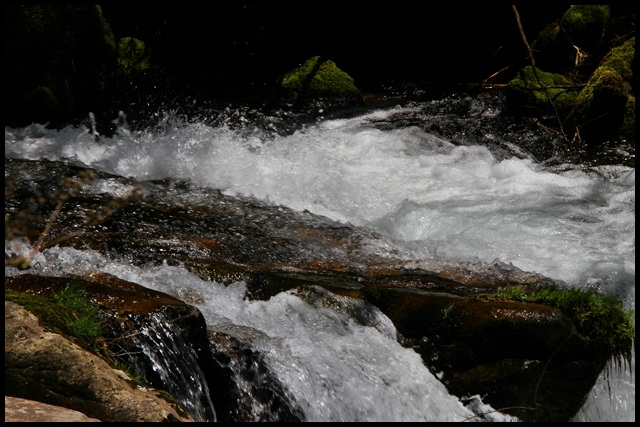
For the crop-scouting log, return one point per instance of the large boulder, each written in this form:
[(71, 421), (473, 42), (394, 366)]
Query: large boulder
[(135, 335), (528, 358), (577, 38), (44, 366), (604, 111)]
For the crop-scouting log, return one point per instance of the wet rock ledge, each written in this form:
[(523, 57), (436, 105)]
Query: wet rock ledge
[(518, 354), (528, 356)]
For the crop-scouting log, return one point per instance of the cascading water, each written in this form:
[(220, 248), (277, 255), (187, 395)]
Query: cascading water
[(174, 365), (467, 191)]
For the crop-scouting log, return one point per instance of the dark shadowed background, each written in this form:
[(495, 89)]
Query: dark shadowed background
[(246, 47)]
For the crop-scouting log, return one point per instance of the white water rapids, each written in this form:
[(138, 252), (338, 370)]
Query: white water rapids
[(453, 202)]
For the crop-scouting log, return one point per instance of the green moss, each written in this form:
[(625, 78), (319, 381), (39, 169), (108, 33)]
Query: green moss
[(601, 318), (85, 320), (525, 92), (50, 314), (68, 312), (620, 59), (608, 94), (318, 77), (603, 82), (132, 55), (586, 24)]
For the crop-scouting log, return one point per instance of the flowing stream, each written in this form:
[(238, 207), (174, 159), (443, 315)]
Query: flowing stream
[(451, 180)]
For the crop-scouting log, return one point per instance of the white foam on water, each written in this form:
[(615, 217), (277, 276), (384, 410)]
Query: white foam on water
[(446, 201), (457, 201), (335, 368)]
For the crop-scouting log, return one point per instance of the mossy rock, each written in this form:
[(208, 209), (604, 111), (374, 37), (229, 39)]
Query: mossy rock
[(318, 79), (553, 49), (68, 312), (593, 29), (526, 95), (516, 346), (132, 56), (586, 25), (601, 318), (606, 105)]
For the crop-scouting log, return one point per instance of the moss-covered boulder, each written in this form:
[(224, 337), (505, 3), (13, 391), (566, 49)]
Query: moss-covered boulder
[(525, 94), (320, 83), (604, 110), (578, 35), (586, 24)]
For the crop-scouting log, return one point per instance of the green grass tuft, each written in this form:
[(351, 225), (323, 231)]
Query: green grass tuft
[(602, 318), (68, 312)]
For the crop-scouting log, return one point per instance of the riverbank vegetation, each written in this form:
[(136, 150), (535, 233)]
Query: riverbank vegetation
[(600, 317)]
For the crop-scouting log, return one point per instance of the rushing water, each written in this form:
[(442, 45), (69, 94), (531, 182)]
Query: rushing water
[(448, 179)]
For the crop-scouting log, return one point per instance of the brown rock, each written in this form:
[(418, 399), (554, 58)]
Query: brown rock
[(527, 358), (49, 368), (25, 410)]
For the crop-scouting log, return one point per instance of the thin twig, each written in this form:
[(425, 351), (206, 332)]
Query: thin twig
[(47, 228), (535, 73)]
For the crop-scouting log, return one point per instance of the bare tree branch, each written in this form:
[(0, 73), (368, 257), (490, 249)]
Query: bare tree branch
[(535, 73)]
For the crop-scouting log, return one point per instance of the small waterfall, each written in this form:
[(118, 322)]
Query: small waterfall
[(254, 393), (169, 364)]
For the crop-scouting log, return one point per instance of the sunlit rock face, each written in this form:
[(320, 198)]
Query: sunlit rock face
[(147, 330), (25, 410), (47, 367)]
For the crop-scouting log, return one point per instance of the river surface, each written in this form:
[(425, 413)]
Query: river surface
[(451, 179)]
